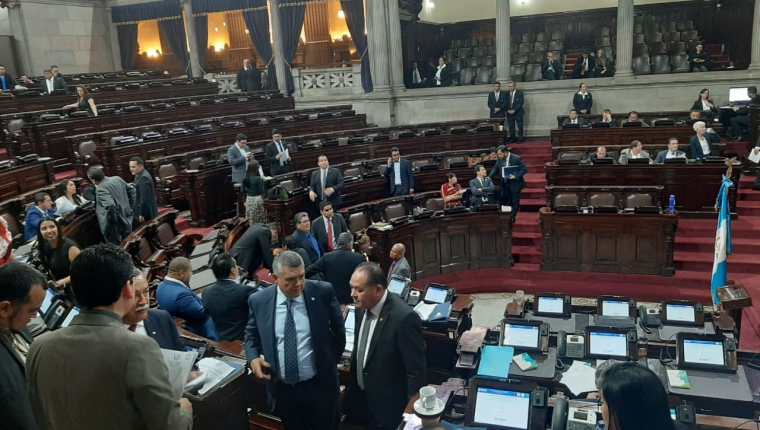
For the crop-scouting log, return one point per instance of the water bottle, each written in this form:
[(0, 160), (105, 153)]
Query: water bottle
[(672, 204)]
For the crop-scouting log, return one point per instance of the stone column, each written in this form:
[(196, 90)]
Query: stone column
[(20, 39), (624, 54), (503, 41), (278, 47), (113, 36), (378, 52), (754, 64), (192, 40), (395, 47)]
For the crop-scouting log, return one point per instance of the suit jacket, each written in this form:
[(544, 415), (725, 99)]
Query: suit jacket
[(334, 179), (583, 103), (625, 154), (643, 123), (9, 83), (480, 191), (662, 156), (33, 219), (395, 364), (113, 191), (551, 75), (181, 302), (301, 240), (227, 303), (96, 350), (695, 148), (445, 76), (567, 122), (336, 267), (517, 104), (270, 151), (407, 178), (697, 105), (328, 333), (58, 84), (400, 268), (517, 168), (16, 412), (238, 163), (501, 103), (145, 197), (249, 80), (578, 70), (254, 248), (319, 230), (161, 327)]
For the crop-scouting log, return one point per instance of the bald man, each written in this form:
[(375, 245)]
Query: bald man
[(399, 265), (174, 296)]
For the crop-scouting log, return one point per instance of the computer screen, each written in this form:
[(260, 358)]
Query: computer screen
[(738, 95), (699, 351), (608, 344), (436, 295), (503, 408), (518, 335), (72, 313), (47, 301), (679, 312), (551, 305), (615, 308), (396, 286), (350, 328)]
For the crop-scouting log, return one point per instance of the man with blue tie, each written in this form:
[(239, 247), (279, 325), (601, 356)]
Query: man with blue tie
[(510, 170), (294, 340), (302, 237), (398, 175), (6, 82)]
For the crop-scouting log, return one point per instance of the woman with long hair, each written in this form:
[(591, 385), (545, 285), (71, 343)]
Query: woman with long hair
[(84, 102), (633, 398), (254, 189), (6, 243), (705, 105), (56, 252), (69, 199)]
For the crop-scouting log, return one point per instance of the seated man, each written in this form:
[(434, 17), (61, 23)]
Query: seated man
[(601, 152), (702, 144), (254, 248), (174, 296), (671, 152), (634, 151), (739, 122), (481, 188), (633, 120), (572, 120), (154, 323), (550, 68), (227, 300), (42, 208), (607, 118)]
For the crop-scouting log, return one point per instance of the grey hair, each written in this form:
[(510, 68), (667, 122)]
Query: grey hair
[(289, 259), (699, 124), (345, 241)]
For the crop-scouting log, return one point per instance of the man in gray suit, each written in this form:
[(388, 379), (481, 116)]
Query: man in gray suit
[(238, 155), (96, 373), (399, 265), (114, 204)]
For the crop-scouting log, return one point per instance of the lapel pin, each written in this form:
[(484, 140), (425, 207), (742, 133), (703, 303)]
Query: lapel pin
[(313, 299)]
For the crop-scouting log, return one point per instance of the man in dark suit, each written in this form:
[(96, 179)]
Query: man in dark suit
[(337, 266), (278, 154), (551, 70), (497, 102), (227, 300), (22, 290), (510, 171), (327, 227), (326, 183), (174, 296), (388, 362), (584, 67), (51, 83), (6, 81), (254, 248), (294, 340), (303, 238), (572, 120), (248, 79), (515, 112), (114, 204), (398, 175), (156, 323), (671, 152), (482, 188), (600, 153), (702, 144), (146, 207)]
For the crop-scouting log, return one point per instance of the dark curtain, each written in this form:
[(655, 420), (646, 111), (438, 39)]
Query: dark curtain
[(291, 21), (354, 11), (146, 11), (127, 34), (172, 31), (257, 21), (201, 38)]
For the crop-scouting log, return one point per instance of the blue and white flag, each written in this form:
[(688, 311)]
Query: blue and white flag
[(723, 247)]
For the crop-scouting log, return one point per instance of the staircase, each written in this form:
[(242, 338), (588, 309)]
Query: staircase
[(718, 57)]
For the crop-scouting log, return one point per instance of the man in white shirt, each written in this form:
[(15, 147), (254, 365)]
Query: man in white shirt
[(572, 120), (278, 154), (51, 83), (398, 174)]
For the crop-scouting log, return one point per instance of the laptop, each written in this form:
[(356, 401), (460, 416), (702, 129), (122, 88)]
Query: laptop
[(738, 96)]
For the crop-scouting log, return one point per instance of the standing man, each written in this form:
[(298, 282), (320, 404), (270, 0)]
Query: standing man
[(278, 154), (399, 265), (515, 112), (510, 171), (238, 155), (398, 175), (174, 296), (294, 340), (388, 362), (22, 290), (227, 300), (114, 203), (497, 102), (248, 79), (302, 237), (6, 82), (336, 267), (327, 227), (51, 83), (95, 374), (146, 207), (42, 209), (482, 188), (155, 323), (326, 183), (254, 248)]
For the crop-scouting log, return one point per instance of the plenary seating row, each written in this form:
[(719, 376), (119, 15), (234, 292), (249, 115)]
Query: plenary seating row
[(45, 133), (655, 119), (114, 148), (23, 174), (109, 93), (582, 154), (649, 136), (104, 77), (605, 198)]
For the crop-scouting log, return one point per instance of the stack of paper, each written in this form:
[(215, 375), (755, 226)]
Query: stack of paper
[(179, 363), (214, 372), (580, 378)]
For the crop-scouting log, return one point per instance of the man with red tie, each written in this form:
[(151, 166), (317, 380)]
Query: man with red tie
[(327, 227)]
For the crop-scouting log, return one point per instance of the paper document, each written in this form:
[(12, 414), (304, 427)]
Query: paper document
[(214, 371), (179, 364), (678, 379), (580, 378), (424, 310), (754, 155)]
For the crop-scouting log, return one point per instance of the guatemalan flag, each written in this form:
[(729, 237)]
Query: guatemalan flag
[(723, 247)]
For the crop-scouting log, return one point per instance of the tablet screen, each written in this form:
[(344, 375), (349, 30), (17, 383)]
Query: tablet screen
[(396, 286), (698, 351), (70, 317), (738, 95), (47, 301), (517, 335), (608, 344), (436, 295), (503, 408), (678, 312), (615, 308), (551, 305)]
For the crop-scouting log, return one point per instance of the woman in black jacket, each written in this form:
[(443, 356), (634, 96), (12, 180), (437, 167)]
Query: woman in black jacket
[(705, 105), (582, 100)]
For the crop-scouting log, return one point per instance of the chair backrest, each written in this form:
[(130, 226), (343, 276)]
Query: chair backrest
[(144, 250), (604, 32), (422, 162), (604, 41), (556, 35), (641, 65), (473, 62), (489, 61), (571, 156), (196, 163), (358, 221), (524, 48), (635, 200), (87, 148), (565, 199), (434, 204), (533, 72), (467, 76), (13, 225), (288, 185), (517, 71), (541, 37), (167, 171), (639, 38), (602, 199), (395, 210), (661, 64), (352, 172), (484, 75), (165, 233)]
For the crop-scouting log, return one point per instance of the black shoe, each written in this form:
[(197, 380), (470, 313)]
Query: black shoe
[(521, 139), (512, 140)]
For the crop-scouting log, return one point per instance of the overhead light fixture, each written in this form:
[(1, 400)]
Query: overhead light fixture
[(341, 14), (216, 29), (247, 31)]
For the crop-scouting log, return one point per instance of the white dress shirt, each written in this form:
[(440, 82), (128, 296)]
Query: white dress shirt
[(706, 106), (704, 144), (50, 83), (375, 311), (397, 173), (438, 74)]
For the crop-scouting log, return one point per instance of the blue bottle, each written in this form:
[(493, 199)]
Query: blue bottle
[(672, 204)]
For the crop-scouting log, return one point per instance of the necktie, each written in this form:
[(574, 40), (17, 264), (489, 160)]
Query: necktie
[(329, 235), (291, 347), (363, 349), (314, 245), (133, 327), (323, 174)]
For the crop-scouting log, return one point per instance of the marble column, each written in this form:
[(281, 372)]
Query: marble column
[(624, 53), (396, 58), (113, 36), (278, 47), (378, 44), (20, 39), (754, 64), (503, 41), (192, 40)]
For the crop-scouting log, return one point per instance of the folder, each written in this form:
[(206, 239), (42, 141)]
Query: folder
[(495, 361)]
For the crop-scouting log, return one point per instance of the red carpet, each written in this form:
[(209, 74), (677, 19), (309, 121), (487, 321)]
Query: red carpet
[(693, 256), (66, 174)]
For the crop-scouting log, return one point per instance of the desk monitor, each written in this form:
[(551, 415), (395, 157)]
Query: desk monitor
[(608, 342), (523, 335), (702, 351), (399, 286), (498, 405), (437, 294), (600, 124), (639, 161), (604, 160), (350, 324), (552, 305), (738, 95), (682, 312), (615, 307), (70, 317), (47, 302)]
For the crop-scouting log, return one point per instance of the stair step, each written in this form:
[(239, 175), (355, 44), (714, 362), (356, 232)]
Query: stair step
[(527, 254), (707, 244), (703, 262)]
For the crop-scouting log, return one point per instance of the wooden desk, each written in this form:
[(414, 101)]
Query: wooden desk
[(26, 177), (611, 243), (648, 117), (619, 136), (694, 185)]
